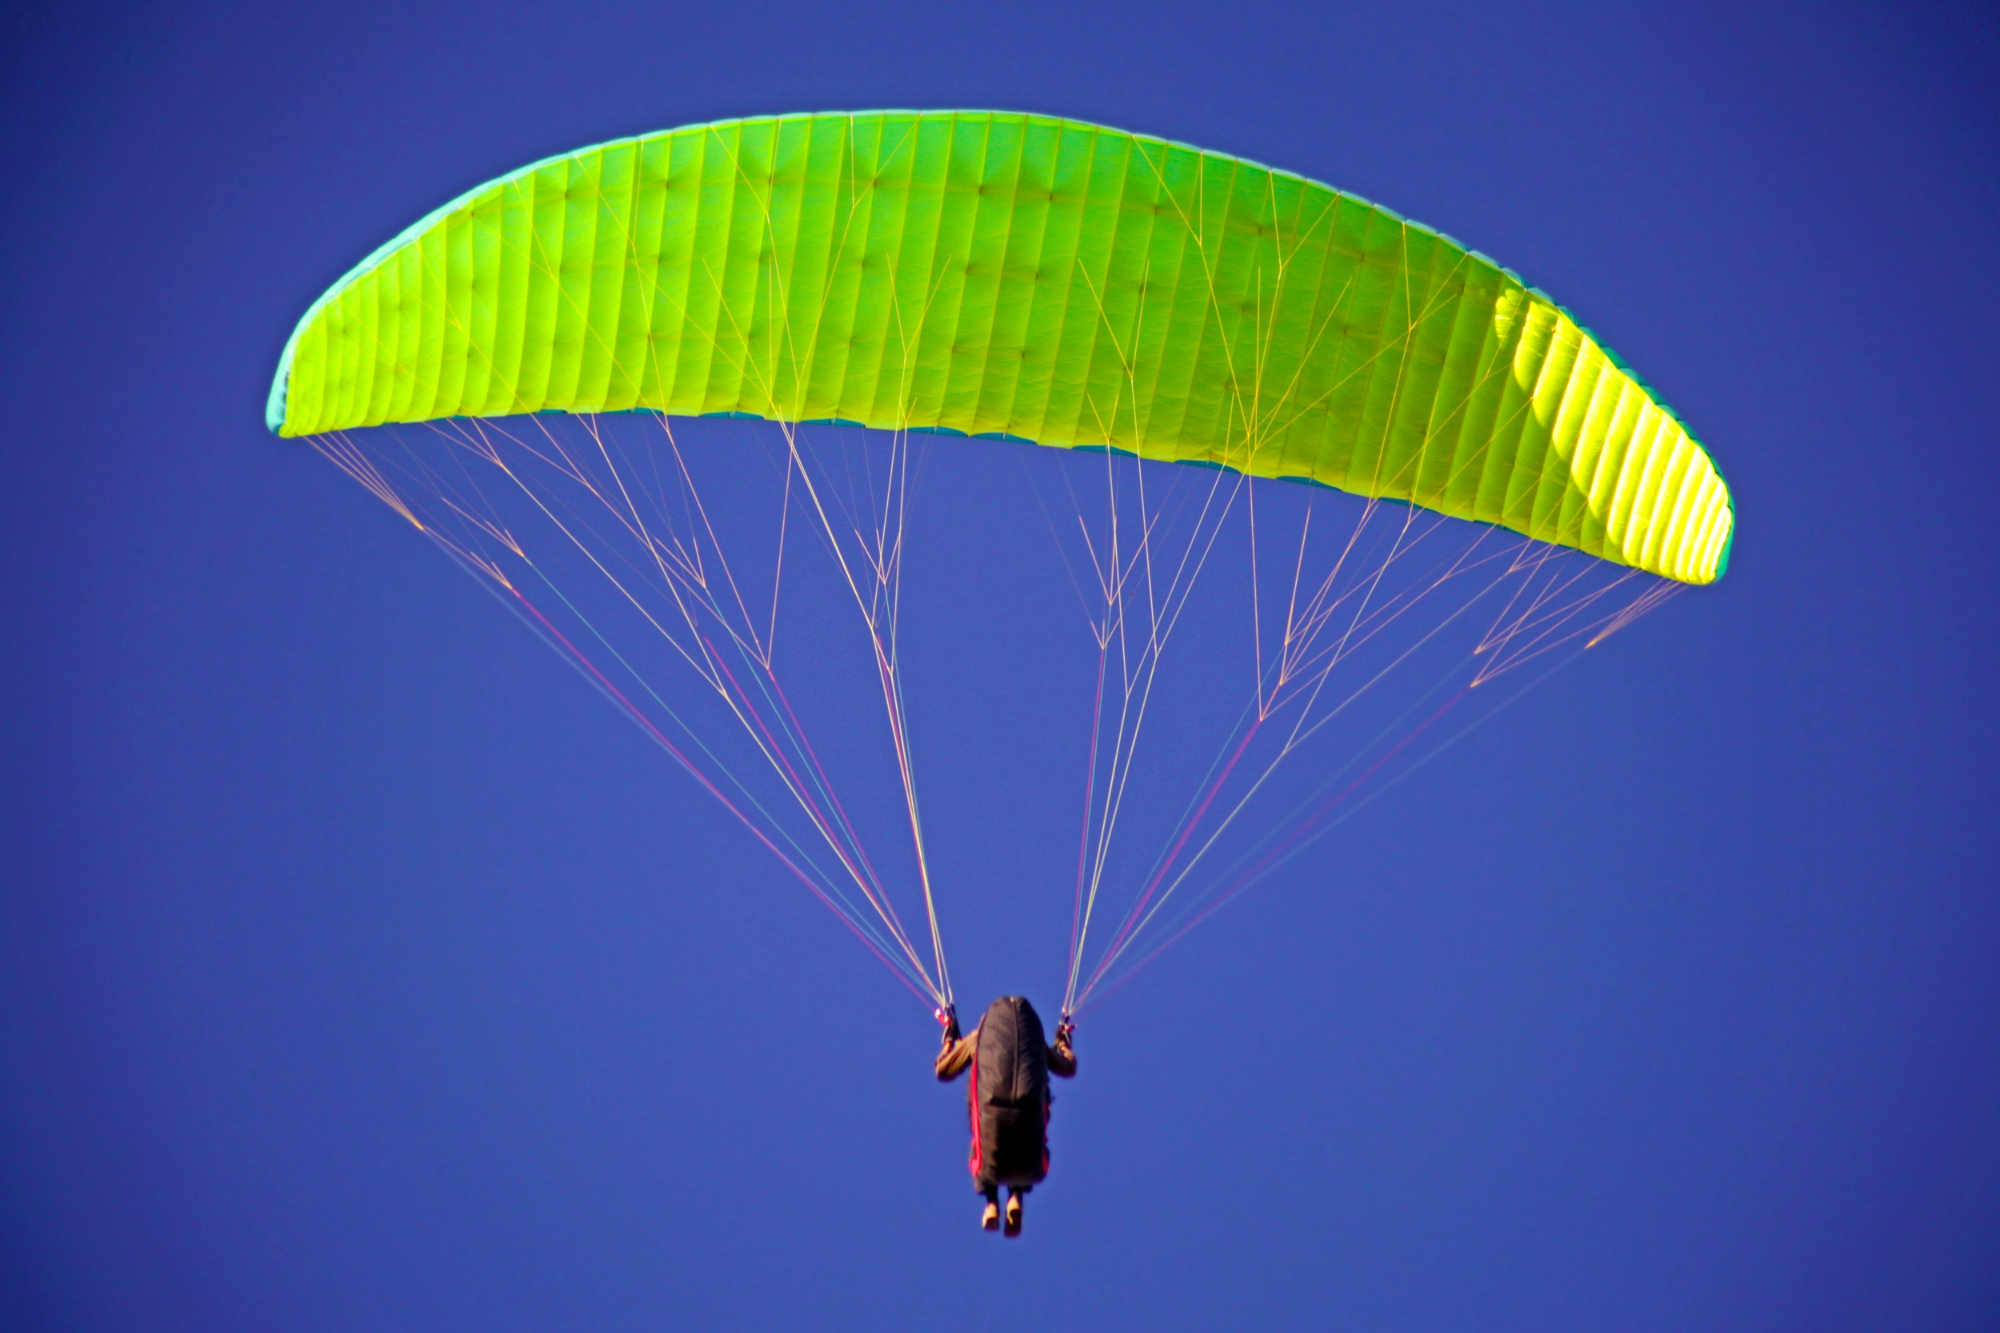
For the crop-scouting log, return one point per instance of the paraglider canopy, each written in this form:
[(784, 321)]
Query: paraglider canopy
[(1026, 277)]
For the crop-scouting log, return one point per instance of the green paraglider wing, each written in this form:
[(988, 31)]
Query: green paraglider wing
[(1025, 277)]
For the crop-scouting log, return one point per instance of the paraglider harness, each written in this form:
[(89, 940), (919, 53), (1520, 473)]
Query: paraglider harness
[(1000, 1113)]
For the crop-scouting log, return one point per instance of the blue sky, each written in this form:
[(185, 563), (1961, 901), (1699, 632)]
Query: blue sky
[(359, 968)]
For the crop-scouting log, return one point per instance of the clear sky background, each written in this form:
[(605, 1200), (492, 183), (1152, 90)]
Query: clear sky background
[(361, 969)]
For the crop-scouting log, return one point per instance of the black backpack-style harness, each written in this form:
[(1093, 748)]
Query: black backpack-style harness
[(1010, 1096)]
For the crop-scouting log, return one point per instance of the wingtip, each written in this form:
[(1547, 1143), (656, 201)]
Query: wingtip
[(1728, 544)]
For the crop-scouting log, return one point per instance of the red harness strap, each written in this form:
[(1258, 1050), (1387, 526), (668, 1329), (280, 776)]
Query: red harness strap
[(972, 1101)]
